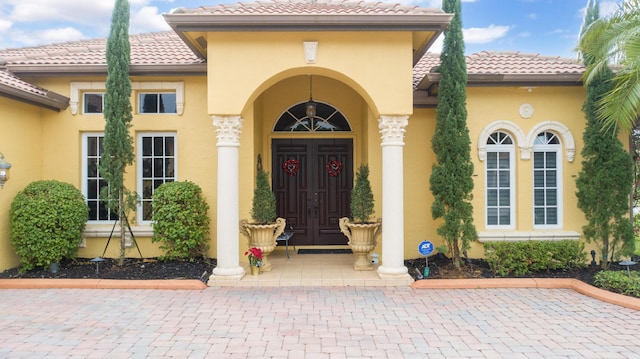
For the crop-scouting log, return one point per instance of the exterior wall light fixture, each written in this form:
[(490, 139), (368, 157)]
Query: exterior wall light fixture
[(4, 170)]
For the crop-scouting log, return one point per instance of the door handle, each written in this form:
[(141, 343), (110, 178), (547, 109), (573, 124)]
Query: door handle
[(315, 204)]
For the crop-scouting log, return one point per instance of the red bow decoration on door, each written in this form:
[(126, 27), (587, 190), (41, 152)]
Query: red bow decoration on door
[(334, 168), (291, 167)]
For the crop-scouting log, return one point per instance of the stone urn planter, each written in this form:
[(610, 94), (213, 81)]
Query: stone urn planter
[(362, 240), (263, 236)]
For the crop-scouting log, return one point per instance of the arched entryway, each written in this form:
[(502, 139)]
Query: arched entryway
[(313, 176)]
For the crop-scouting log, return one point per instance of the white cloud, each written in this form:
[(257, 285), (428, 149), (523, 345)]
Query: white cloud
[(147, 19), (608, 7), (437, 4), (5, 25), (138, 3), (42, 37), (484, 35), (431, 3), (59, 35), (69, 20), (437, 45), (71, 11)]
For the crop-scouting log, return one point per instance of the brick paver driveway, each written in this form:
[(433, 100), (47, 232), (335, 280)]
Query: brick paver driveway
[(286, 322)]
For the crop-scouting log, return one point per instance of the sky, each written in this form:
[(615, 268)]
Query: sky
[(546, 27)]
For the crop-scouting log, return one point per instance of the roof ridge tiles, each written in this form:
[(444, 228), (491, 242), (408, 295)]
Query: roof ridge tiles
[(317, 7)]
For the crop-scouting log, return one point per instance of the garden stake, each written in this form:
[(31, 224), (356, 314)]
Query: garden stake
[(426, 267)]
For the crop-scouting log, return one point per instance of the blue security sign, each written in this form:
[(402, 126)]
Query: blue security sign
[(425, 248)]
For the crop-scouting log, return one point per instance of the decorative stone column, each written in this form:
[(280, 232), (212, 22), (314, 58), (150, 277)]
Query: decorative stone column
[(228, 129), (392, 129)]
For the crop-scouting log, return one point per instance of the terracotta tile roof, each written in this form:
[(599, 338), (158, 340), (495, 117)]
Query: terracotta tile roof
[(521, 63), (305, 7), (505, 63), (9, 80), (146, 49), (13, 87)]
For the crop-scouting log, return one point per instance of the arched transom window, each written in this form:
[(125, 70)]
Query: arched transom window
[(326, 119)]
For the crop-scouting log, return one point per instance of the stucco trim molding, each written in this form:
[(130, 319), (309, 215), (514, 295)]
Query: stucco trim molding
[(392, 129), (507, 126), (561, 130), (78, 87), (310, 51), (518, 236), (104, 231), (228, 130)]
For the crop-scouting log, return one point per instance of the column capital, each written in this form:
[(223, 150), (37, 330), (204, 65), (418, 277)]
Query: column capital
[(392, 129), (228, 129)]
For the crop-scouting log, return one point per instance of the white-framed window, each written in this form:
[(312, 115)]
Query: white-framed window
[(500, 181), (92, 103), (174, 88), (547, 181), (156, 165), (92, 182), (156, 102)]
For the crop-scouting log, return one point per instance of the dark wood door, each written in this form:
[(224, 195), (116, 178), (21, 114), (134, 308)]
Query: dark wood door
[(313, 189)]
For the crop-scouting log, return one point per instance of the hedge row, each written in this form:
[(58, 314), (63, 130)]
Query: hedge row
[(619, 282), (522, 258)]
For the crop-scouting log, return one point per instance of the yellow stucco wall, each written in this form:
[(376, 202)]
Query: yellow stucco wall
[(560, 104), (20, 141), (418, 160), (376, 64)]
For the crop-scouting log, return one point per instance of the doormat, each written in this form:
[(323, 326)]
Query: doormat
[(324, 251)]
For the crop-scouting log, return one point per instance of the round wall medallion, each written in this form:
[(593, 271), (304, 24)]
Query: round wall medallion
[(526, 110)]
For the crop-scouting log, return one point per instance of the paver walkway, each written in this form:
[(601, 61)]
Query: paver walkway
[(314, 322)]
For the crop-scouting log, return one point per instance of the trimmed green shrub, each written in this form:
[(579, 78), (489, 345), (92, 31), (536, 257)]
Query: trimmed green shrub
[(619, 282), (524, 257), (180, 220), (362, 196), (46, 221), (263, 206)]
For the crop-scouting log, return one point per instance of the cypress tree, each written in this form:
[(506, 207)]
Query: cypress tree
[(362, 196), (118, 143), (451, 178), (263, 209), (604, 183)]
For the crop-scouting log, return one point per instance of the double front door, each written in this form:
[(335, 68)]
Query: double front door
[(312, 181)]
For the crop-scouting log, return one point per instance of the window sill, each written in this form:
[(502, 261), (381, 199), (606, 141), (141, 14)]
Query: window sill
[(515, 236), (105, 230)]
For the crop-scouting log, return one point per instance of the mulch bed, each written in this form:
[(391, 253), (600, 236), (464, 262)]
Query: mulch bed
[(440, 267), (133, 268)]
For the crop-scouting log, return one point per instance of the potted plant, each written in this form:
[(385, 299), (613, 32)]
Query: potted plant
[(361, 232), (265, 228), (255, 259)]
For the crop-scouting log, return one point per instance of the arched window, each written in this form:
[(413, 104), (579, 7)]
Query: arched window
[(327, 119), (547, 180), (500, 181)]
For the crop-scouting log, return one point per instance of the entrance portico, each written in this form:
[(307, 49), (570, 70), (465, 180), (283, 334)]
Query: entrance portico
[(259, 66)]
